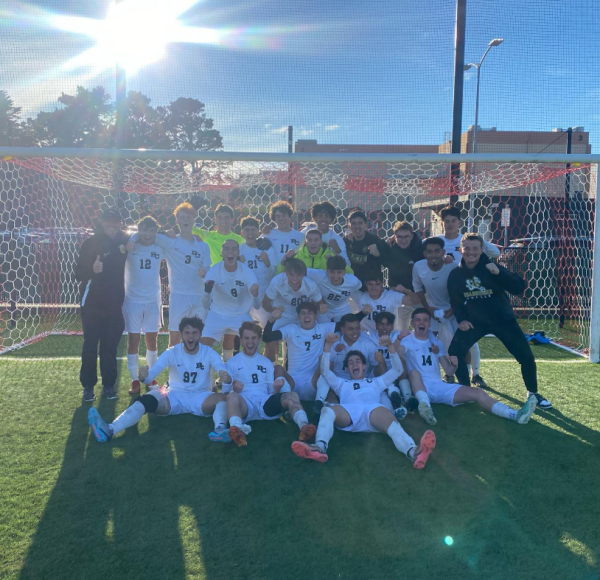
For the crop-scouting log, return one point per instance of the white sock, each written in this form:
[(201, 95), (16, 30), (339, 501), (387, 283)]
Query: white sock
[(325, 429), (151, 356), (287, 388), (220, 415), (504, 411), (423, 397), (475, 359), (300, 418), (132, 364), (128, 418), (235, 421), (322, 389), (227, 354), (469, 369), (403, 442), (405, 389)]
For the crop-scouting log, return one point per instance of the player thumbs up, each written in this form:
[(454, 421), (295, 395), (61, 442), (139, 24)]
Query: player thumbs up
[(98, 265)]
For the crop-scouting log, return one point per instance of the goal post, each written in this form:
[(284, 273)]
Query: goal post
[(539, 209)]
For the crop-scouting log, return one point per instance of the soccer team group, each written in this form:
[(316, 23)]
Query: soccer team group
[(345, 336)]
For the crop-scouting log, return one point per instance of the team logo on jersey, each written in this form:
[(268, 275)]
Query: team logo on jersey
[(122, 248), (356, 386), (317, 336), (200, 365), (261, 369), (476, 288), (345, 293), (155, 255), (295, 242), (196, 254), (239, 283)]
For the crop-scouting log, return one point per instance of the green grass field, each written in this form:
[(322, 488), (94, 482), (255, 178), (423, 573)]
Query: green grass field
[(160, 501)]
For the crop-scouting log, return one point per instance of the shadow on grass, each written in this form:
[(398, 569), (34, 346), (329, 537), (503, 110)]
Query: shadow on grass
[(165, 503)]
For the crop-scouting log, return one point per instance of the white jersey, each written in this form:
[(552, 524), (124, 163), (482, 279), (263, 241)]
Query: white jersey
[(285, 241), (256, 372), (434, 284), (142, 274), (263, 274), (419, 355), (389, 301), (187, 372), (452, 247), (184, 259), (283, 296), (374, 337), (231, 291), (336, 297), (304, 347), (364, 344), (330, 235)]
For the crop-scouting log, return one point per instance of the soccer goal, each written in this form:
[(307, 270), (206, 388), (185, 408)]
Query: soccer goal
[(539, 210)]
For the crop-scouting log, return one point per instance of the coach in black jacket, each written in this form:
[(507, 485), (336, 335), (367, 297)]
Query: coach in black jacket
[(478, 297), (405, 250), (100, 271)]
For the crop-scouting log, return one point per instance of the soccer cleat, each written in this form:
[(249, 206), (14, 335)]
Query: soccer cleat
[(395, 399), (220, 436), (449, 379), (317, 407), (423, 451), (109, 393), (309, 452), (237, 436), (100, 428), (426, 412), (477, 381), (88, 395), (135, 388), (307, 432), (526, 411), (400, 412), (542, 402), (411, 404)]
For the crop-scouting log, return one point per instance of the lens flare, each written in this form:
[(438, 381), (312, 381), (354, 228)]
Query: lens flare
[(448, 540)]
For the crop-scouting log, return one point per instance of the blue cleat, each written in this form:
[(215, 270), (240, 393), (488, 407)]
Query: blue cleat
[(220, 436), (100, 428), (400, 412)]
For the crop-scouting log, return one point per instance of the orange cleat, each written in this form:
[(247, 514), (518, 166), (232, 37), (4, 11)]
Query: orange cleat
[(237, 436), (309, 452), (135, 388), (307, 433), (423, 451)]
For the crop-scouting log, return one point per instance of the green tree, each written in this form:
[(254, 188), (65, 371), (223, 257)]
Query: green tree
[(12, 130), (143, 126)]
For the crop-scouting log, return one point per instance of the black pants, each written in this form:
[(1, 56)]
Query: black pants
[(104, 327), (510, 334)]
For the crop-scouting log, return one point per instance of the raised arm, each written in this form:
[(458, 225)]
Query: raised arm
[(270, 335), (332, 380)]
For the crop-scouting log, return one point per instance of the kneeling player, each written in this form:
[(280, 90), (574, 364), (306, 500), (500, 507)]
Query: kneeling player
[(360, 410), (424, 354), (254, 395), (189, 391)]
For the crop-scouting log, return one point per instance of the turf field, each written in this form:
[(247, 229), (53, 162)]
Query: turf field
[(496, 501)]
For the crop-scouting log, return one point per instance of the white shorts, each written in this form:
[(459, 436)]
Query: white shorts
[(303, 387), (256, 405), (284, 321), (441, 392), (403, 315), (142, 317), (332, 315), (216, 325), (182, 305), (445, 329), (359, 414), (184, 401), (261, 316)]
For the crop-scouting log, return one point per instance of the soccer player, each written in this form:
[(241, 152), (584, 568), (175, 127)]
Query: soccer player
[(313, 252), (360, 409), (262, 262), (336, 287), (324, 215), (142, 309), (478, 298), (450, 216), (430, 282), (366, 251), (215, 239), (406, 250), (234, 292), (254, 394), (190, 366), (382, 299), (100, 271), (424, 355), (284, 238)]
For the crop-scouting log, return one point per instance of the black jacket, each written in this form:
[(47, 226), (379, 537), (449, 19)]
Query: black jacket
[(400, 261), (479, 296), (362, 262), (107, 289)]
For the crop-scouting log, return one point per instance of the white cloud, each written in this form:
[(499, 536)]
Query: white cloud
[(331, 127), (268, 126), (305, 132), (281, 130)]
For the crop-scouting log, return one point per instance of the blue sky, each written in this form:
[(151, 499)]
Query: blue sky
[(339, 71)]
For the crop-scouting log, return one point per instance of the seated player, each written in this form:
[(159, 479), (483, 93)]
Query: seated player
[(424, 355), (262, 262), (360, 409), (222, 232), (336, 287), (324, 215), (254, 394), (287, 291), (304, 341), (284, 237), (430, 282), (382, 299), (234, 290), (313, 252), (142, 308), (190, 364)]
